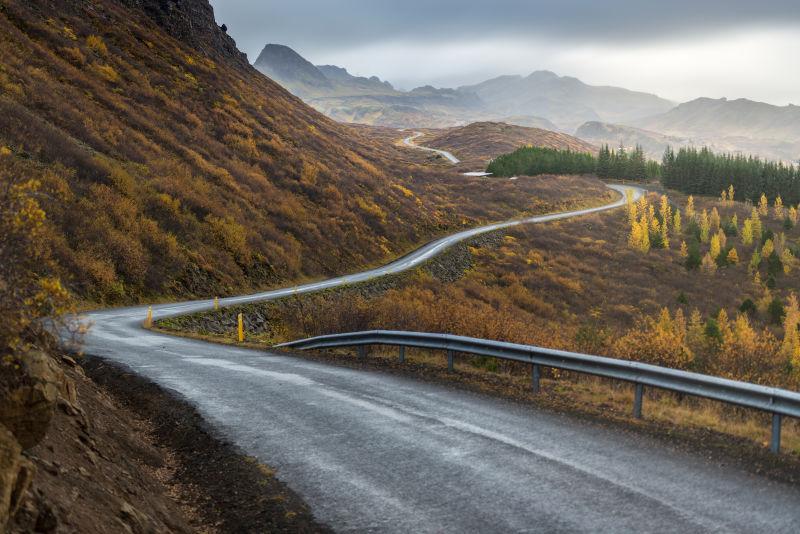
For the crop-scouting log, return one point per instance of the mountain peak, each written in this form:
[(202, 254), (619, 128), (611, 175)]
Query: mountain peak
[(543, 75), (192, 22), (284, 65)]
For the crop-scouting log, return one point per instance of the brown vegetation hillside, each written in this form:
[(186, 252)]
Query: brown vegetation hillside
[(480, 142), (167, 165)]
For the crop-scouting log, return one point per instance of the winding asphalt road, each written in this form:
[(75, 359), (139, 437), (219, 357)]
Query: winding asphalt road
[(373, 452), (409, 141)]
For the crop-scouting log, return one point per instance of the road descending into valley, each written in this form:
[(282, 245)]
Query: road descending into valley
[(375, 452), (409, 141)]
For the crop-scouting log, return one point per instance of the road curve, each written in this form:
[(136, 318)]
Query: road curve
[(409, 141), (373, 452)]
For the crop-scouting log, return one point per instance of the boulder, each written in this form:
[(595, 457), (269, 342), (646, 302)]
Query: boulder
[(16, 473), (29, 392)]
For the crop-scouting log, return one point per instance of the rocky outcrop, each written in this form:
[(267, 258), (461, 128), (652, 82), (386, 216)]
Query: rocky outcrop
[(193, 22), (16, 473), (29, 391)]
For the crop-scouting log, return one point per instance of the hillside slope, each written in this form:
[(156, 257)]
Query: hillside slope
[(173, 167), (480, 142)]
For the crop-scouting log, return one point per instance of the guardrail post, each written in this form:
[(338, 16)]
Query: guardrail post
[(450, 357), (637, 401), (402, 354), (362, 352), (775, 444), (536, 374)]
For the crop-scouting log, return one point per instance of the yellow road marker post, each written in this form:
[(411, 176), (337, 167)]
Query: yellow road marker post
[(148, 322), (241, 328), (216, 303)]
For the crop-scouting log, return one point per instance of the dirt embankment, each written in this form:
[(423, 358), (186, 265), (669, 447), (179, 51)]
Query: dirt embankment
[(123, 455)]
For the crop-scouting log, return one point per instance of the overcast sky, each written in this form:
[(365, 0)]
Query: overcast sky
[(679, 49)]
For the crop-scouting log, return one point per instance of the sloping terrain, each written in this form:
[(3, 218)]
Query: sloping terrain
[(480, 142), (173, 167)]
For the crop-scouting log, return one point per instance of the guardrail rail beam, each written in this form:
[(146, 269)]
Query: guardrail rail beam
[(779, 402)]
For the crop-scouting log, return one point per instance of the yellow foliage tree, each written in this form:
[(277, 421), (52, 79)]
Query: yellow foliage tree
[(676, 222), (705, 227), (661, 341), (791, 336), (730, 193), (756, 222), (723, 197), (788, 260), (690, 213), (29, 289), (684, 252), (631, 205), (793, 215), (715, 246), (768, 248), (714, 219), (763, 205), (747, 232), (708, 264), (778, 208), (665, 210), (733, 256)]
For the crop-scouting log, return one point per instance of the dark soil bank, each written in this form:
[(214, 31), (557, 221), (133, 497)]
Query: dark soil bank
[(128, 456)]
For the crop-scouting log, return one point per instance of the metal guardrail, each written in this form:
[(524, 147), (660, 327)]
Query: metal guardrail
[(778, 402)]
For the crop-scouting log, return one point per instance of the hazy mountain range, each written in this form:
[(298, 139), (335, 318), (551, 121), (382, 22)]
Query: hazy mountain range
[(543, 99)]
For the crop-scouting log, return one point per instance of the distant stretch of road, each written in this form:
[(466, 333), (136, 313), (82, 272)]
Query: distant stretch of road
[(409, 141), (374, 452)]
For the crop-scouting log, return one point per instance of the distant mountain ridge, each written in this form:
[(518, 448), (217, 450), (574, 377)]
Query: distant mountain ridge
[(704, 117), (540, 99), (565, 100), (543, 99)]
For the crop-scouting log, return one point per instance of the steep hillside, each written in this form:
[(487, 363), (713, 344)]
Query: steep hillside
[(173, 167), (566, 101), (480, 142)]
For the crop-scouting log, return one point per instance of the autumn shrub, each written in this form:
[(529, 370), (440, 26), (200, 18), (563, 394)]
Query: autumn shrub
[(30, 290)]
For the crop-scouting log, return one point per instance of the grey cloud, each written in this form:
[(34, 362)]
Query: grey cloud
[(315, 26)]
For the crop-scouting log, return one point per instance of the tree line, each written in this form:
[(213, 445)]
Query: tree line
[(616, 164), (690, 170), (700, 171)]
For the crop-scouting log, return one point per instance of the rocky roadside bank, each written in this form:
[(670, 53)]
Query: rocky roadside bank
[(87, 447)]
